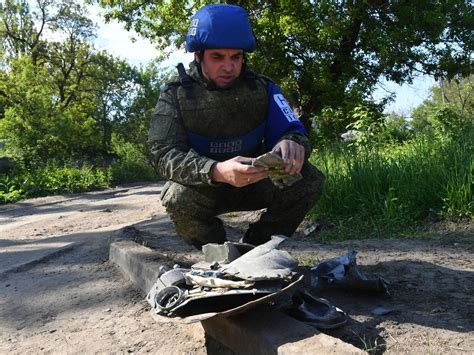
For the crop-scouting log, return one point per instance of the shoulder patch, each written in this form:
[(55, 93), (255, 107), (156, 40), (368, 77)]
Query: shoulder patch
[(284, 107)]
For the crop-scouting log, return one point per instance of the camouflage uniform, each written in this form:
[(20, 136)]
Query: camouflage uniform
[(191, 198)]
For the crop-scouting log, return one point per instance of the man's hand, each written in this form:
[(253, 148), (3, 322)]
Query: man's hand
[(292, 154), (237, 172)]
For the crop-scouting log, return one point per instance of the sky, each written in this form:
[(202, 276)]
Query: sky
[(128, 45), (138, 51)]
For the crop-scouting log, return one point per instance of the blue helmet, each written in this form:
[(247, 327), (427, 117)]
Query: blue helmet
[(220, 26)]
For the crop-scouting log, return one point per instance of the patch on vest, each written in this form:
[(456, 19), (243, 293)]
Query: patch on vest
[(225, 147), (285, 107), (219, 148)]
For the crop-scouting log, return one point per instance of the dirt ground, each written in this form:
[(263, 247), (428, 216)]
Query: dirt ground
[(77, 301)]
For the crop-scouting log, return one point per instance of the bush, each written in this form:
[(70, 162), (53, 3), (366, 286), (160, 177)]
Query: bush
[(27, 180), (132, 164), (50, 180), (10, 189)]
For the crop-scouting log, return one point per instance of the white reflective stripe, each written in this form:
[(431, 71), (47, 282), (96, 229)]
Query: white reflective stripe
[(285, 108)]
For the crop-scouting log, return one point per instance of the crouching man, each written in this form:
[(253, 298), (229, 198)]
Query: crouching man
[(211, 121)]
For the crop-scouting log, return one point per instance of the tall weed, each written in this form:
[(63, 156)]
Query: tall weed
[(389, 187)]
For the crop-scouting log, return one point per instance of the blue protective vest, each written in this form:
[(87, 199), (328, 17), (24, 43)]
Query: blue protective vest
[(247, 119)]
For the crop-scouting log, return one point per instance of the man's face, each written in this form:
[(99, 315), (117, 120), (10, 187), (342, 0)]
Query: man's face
[(222, 66)]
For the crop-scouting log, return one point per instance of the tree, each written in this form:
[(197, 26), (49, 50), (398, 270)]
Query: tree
[(397, 127), (19, 34), (459, 92), (135, 124), (113, 84), (35, 125), (22, 31), (330, 53), (22, 27), (64, 101), (449, 108)]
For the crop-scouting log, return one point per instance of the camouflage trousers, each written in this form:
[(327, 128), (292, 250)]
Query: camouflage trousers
[(194, 210)]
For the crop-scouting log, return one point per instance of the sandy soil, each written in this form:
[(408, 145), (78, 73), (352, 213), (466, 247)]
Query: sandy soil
[(78, 302)]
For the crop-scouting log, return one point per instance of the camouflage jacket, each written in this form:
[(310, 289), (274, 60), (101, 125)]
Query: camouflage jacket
[(169, 140)]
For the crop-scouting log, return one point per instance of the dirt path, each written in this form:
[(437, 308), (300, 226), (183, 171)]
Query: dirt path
[(77, 301)]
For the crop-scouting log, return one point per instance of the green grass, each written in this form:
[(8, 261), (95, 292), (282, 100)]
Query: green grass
[(53, 178), (381, 190)]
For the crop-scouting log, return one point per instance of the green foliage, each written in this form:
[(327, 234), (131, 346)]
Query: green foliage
[(365, 121), (51, 180), (57, 177), (449, 110), (63, 100), (368, 123), (458, 92), (136, 118), (43, 122), (35, 127), (458, 194), (132, 164), (397, 128), (386, 188), (10, 189), (396, 172), (445, 120)]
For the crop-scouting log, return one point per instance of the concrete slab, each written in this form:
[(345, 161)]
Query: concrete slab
[(260, 331), (266, 331), (21, 256), (136, 262)]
